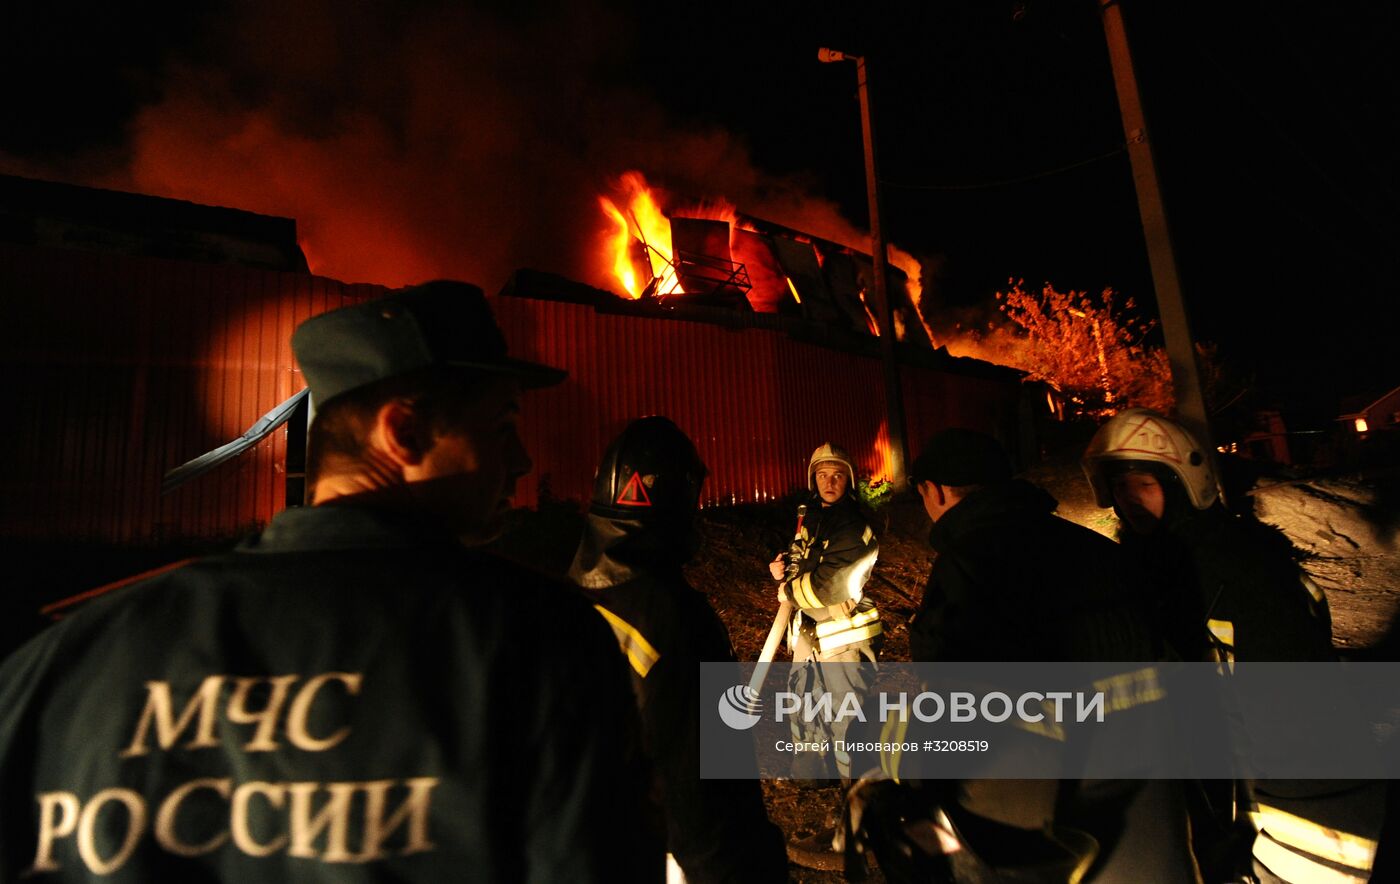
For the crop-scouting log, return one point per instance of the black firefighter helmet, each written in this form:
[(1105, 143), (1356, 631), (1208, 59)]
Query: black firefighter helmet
[(651, 472)]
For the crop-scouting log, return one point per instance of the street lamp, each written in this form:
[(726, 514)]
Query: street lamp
[(894, 401)]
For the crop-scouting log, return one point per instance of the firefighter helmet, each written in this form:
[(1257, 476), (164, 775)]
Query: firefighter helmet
[(829, 453), (1138, 435), (649, 472)]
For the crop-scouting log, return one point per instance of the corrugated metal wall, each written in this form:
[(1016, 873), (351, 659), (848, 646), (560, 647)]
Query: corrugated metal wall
[(118, 368), (755, 401)]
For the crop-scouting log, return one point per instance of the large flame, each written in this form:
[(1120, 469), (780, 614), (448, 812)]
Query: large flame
[(883, 450), (639, 227), (637, 250)]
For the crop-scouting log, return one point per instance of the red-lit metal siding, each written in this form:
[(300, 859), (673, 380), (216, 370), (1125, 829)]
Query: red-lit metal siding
[(755, 401), (119, 368)]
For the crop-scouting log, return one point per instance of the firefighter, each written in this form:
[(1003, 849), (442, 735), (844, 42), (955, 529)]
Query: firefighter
[(349, 694), (639, 533), (823, 574), (1251, 602), (1240, 579), (1014, 582)]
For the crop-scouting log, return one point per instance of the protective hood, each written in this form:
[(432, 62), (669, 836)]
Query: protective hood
[(616, 551)]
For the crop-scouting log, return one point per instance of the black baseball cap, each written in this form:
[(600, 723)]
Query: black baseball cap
[(437, 324), (958, 457)]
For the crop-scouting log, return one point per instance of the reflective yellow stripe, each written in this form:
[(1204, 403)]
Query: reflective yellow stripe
[(1333, 845), (849, 637), (639, 651), (1046, 727), (892, 734), (1295, 867), (1129, 690), (1313, 589), (1223, 630), (865, 538), (802, 592), (839, 624)]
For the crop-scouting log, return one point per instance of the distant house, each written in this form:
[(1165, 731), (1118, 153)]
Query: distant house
[(1267, 441), (1381, 415)]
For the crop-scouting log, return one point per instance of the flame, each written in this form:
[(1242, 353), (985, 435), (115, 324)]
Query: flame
[(914, 271), (620, 246), (639, 219), (869, 316), (638, 225), (885, 472)]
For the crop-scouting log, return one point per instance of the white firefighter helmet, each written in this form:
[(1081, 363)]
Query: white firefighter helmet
[(1143, 436), (829, 453)]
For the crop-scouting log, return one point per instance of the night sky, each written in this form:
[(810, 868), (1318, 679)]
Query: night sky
[(999, 141)]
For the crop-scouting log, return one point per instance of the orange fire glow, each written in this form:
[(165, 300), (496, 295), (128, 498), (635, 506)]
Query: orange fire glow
[(910, 265), (639, 224), (869, 315), (885, 472), (638, 220)]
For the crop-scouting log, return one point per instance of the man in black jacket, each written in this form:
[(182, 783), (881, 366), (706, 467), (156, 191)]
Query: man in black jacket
[(1014, 582), (348, 695), (639, 533)]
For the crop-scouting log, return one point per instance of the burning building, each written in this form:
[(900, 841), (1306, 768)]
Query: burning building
[(710, 253), (125, 358)]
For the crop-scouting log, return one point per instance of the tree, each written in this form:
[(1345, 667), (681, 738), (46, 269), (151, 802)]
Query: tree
[(1093, 349)]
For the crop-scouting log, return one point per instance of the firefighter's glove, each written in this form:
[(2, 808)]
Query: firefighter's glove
[(795, 554)]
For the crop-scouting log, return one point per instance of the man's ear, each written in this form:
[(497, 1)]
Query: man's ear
[(401, 433)]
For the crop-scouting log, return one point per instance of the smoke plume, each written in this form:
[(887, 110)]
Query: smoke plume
[(432, 142)]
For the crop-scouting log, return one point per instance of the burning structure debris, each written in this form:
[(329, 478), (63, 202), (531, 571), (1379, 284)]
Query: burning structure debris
[(711, 253)]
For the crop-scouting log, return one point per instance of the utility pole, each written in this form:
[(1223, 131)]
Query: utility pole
[(1181, 349), (894, 398)]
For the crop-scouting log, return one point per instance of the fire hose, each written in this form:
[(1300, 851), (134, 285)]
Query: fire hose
[(780, 622)]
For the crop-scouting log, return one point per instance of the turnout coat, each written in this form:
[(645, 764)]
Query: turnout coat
[(717, 830)]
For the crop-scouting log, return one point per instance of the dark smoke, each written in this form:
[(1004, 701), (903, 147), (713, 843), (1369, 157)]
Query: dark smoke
[(430, 142)]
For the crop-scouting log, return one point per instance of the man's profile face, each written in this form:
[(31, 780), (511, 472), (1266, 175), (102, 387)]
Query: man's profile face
[(474, 461), (831, 480), (1140, 500)]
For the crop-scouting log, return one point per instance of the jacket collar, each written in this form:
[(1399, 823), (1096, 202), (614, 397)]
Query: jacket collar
[(991, 506), (345, 526)]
